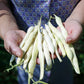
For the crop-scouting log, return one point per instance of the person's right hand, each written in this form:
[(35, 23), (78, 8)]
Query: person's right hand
[(12, 41)]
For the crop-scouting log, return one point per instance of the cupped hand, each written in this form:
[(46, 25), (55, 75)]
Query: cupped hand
[(12, 41), (74, 30)]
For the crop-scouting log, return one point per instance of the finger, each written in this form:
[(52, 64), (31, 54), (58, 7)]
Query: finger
[(60, 52), (60, 28), (37, 61), (20, 36), (74, 33), (13, 48), (54, 56), (22, 33), (72, 37), (69, 40)]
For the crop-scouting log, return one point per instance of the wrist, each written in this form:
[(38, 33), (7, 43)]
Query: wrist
[(7, 20), (7, 23), (74, 20), (78, 13), (8, 31), (71, 19), (4, 29)]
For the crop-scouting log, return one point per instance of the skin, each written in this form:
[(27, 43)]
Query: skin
[(12, 36), (74, 30), (9, 30)]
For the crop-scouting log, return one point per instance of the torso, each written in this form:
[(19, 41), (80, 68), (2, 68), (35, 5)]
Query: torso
[(31, 10)]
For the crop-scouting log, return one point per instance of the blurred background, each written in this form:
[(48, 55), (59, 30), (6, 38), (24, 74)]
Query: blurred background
[(11, 77)]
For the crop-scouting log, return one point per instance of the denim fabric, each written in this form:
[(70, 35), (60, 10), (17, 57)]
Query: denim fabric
[(61, 73)]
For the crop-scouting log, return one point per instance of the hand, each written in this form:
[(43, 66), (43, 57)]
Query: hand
[(74, 30), (12, 41)]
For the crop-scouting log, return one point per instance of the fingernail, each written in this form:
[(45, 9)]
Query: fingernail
[(69, 40), (18, 54)]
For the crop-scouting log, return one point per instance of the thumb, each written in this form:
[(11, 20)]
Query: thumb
[(71, 39), (14, 49), (73, 36)]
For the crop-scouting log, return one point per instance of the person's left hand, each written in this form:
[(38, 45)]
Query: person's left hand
[(74, 30)]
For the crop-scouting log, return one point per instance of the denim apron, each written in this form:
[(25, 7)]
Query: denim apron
[(27, 13)]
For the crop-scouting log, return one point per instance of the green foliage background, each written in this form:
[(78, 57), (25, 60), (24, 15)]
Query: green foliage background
[(5, 77), (11, 77)]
